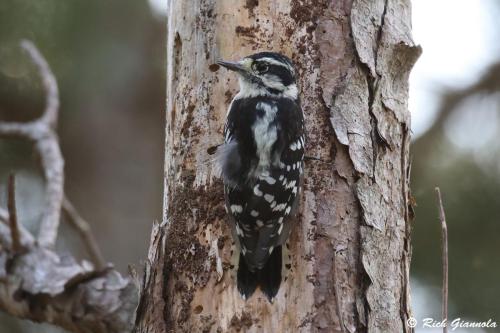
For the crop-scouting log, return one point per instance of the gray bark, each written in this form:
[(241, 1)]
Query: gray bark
[(350, 250)]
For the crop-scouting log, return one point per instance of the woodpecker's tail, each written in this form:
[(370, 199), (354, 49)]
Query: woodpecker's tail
[(268, 278), (246, 279), (270, 275)]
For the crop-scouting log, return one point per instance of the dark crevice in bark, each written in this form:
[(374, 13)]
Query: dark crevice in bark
[(379, 32)]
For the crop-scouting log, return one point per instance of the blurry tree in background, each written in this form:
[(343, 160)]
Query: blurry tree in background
[(108, 59), (460, 152)]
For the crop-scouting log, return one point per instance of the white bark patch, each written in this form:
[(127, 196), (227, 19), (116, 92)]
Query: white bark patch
[(214, 252)]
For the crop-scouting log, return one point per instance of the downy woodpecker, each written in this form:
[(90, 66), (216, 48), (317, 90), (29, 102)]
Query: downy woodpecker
[(261, 164)]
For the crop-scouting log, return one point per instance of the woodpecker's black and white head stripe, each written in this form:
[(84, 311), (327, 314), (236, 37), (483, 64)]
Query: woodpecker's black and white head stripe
[(264, 73), (262, 165)]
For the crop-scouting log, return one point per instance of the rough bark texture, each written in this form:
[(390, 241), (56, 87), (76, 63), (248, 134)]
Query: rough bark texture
[(350, 249)]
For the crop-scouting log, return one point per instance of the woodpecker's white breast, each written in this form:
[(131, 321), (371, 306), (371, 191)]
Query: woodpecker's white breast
[(265, 134)]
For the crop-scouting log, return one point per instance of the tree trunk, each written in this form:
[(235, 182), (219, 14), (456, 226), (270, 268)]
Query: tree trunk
[(350, 249)]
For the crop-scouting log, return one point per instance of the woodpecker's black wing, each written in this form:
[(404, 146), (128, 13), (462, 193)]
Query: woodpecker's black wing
[(262, 175)]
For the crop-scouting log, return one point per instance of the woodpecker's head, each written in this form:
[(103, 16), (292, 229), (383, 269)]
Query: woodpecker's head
[(264, 73)]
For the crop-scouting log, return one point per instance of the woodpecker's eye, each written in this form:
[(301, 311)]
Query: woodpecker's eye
[(260, 67)]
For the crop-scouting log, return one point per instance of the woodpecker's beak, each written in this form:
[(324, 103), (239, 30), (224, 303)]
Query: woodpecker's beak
[(233, 66)]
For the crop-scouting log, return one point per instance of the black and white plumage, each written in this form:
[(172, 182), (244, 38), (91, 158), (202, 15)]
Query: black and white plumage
[(261, 162)]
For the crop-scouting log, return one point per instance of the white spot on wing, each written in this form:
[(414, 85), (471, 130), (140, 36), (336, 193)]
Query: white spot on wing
[(268, 197), (290, 184), (254, 213), (270, 180), (256, 191), (279, 207), (236, 208)]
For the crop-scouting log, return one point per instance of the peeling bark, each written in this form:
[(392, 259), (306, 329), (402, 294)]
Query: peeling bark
[(350, 250)]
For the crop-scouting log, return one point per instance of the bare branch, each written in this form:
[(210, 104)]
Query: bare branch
[(444, 235), (51, 111), (83, 228), (42, 132), (11, 206)]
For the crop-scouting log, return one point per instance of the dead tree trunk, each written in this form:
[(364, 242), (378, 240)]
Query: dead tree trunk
[(350, 250)]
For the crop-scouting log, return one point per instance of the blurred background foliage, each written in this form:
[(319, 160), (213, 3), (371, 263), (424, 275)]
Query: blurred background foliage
[(108, 57)]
